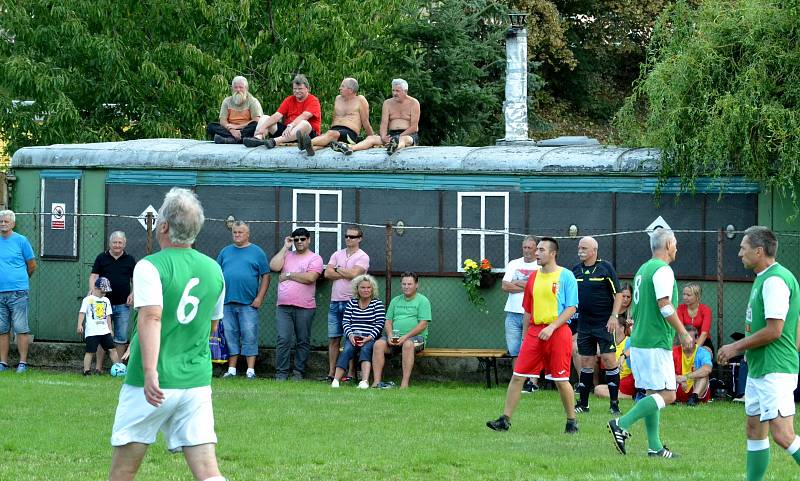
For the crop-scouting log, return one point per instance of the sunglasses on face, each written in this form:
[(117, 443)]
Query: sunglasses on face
[(352, 237), (300, 239)]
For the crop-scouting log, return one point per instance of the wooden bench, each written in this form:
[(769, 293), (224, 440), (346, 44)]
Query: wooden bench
[(487, 358)]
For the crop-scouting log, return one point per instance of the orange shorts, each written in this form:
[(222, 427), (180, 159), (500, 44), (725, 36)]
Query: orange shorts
[(627, 385), (554, 355), (682, 396)]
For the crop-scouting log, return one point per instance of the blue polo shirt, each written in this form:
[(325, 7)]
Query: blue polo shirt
[(15, 252), (242, 268)]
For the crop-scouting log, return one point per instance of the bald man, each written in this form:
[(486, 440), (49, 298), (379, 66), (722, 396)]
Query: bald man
[(599, 303)]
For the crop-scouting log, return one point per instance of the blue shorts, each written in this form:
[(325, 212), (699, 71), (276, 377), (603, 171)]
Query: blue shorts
[(120, 314), (335, 316), (514, 332), (14, 311), (241, 323)]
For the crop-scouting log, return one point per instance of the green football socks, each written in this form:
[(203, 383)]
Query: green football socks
[(757, 459)]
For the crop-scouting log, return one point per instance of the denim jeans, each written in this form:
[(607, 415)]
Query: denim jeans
[(294, 327), (335, 317), (14, 311), (364, 353), (513, 332), (241, 324), (120, 314)]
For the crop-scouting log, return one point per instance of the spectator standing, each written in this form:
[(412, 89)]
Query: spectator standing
[(298, 119), (406, 330), (344, 265), (363, 322), (17, 264), (96, 310), (299, 271), (179, 294), (654, 295), (550, 299), (514, 280), (770, 344), (600, 301), (246, 271), (238, 115), (116, 265), (693, 312), (692, 371)]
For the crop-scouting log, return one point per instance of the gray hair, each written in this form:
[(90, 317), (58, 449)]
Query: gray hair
[(760, 236), (241, 223), (117, 234), (184, 214), (530, 238), (398, 82), (659, 239), (240, 80), (351, 83), (300, 79), (359, 279), (10, 214)]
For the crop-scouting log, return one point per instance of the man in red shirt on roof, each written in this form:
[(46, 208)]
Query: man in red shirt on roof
[(297, 120)]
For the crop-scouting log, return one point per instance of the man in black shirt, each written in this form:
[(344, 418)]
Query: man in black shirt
[(117, 266), (598, 307)]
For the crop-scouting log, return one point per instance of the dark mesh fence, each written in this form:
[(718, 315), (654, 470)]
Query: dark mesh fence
[(708, 257)]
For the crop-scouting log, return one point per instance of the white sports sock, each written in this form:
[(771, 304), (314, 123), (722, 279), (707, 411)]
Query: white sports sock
[(757, 444), (251, 371), (232, 370), (794, 446), (659, 400)]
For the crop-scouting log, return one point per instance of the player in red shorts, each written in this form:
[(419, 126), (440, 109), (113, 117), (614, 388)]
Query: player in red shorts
[(549, 300)]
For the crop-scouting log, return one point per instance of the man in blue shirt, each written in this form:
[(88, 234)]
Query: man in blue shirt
[(246, 271), (17, 264)]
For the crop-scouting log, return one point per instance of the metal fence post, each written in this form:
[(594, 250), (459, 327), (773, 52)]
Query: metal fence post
[(720, 288), (148, 248), (389, 231)]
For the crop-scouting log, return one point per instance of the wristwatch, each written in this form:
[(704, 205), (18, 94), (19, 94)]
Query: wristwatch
[(288, 275), (336, 269)]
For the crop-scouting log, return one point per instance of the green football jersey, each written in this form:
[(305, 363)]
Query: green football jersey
[(191, 289), (779, 355), (650, 329)]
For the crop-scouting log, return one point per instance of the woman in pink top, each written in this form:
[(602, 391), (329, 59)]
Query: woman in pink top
[(696, 314)]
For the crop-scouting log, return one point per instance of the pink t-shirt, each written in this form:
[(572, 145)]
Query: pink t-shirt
[(293, 293), (341, 290)]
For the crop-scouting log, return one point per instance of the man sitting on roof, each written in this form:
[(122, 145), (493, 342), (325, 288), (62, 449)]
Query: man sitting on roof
[(237, 116), (296, 120), (399, 121), (350, 114)]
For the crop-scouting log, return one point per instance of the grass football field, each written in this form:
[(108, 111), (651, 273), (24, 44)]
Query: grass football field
[(56, 426)]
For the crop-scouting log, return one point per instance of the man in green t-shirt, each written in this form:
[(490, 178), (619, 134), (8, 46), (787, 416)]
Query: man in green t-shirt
[(770, 346), (406, 328), (179, 293), (655, 293)]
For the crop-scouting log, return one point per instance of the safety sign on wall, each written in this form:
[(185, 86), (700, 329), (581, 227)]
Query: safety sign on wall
[(57, 216)]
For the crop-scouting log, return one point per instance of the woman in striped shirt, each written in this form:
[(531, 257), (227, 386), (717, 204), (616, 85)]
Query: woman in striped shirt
[(364, 316)]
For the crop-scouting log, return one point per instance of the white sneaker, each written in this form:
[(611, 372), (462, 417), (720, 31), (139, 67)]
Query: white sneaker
[(363, 385), (334, 383), (739, 399), (228, 374)]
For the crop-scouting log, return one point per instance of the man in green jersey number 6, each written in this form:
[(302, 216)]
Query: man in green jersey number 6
[(770, 344), (179, 293)]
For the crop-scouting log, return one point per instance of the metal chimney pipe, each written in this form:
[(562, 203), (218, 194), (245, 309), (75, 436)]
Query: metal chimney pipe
[(515, 107)]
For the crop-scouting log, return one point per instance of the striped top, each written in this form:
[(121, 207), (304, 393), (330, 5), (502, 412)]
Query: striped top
[(367, 322)]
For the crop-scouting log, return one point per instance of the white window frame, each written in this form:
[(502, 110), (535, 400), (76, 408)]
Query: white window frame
[(462, 231), (317, 223)]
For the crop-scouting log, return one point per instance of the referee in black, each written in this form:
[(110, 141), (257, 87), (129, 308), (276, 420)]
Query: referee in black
[(599, 302)]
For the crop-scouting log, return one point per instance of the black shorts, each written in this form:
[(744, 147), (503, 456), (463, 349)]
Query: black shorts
[(346, 134), (105, 340), (395, 134), (280, 127), (590, 337)]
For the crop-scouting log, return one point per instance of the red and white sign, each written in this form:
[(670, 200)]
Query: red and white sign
[(57, 219)]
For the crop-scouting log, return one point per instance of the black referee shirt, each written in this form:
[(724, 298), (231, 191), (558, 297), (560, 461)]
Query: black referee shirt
[(597, 286), (119, 272)]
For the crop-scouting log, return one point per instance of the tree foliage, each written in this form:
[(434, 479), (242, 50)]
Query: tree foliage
[(719, 92)]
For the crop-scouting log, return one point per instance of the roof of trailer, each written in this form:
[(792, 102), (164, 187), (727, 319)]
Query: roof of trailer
[(205, 155)]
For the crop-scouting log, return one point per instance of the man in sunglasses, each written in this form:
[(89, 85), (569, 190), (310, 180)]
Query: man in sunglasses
[(299, 270), (344, 265)]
